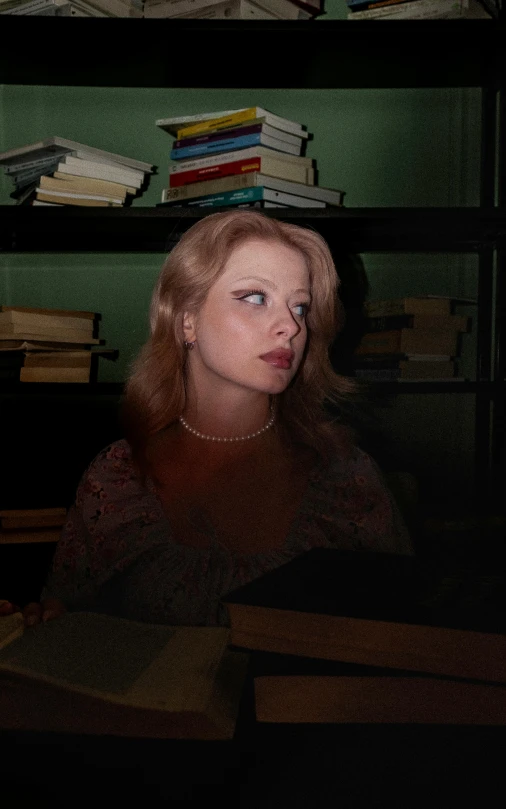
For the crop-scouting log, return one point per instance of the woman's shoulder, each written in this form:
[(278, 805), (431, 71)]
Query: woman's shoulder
[(114, 456), (113, 467)]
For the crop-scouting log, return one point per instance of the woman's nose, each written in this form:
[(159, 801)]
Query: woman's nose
[(287, 324)]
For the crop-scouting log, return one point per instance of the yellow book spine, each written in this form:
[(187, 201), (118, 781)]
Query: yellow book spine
[(215, 124)]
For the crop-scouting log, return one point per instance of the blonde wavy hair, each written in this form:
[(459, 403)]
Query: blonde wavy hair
[(155, 392)]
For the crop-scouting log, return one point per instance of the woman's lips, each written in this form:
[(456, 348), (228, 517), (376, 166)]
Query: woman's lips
[(280, 358)]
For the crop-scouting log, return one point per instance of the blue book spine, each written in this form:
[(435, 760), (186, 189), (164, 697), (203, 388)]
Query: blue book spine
[(251, 194), (227, 145)]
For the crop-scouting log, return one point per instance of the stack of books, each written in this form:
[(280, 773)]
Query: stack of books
[(234, 9), (50, 345), (410, 339), (338, 636), (421, 9), (72, 8), (246, 157), (58, 171), (31, 525)]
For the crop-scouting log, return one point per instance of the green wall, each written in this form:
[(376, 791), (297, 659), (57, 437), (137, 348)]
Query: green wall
[(383, 147), (388, 147)]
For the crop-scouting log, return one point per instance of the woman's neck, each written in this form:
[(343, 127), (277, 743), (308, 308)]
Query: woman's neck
[(227, 417)]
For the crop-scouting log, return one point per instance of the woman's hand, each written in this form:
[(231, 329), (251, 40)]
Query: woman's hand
[(7, 607), (35, 613)]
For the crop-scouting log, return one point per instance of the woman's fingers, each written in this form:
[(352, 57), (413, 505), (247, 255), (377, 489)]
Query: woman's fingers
[(32, 613), (52, 608), (7, 607)]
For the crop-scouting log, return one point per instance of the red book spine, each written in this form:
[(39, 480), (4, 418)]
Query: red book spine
[(179, 178)]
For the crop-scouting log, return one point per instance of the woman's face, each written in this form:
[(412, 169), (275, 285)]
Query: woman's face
[(251, 331)]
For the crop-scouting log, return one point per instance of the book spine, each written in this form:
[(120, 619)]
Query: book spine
[(408, 341), (238, 131), (218, 170), (293, 200), (227, 198), (192, 190), (224, 122), (232, 144), (84, 169), (32, 176), (216, 137), (174, 8), (362, 5), (73, 195), (253, 152), (19, 166), (285, 9), (267, 166), (20, 319), (411, 306), (252, 194), (228, 144), (418, 9), (437, 323)]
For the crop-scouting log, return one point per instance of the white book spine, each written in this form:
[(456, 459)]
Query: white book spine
[(84, 168), (230, 10), (229, 157), (35, 319), (114, 8), (420, 9), (284, 9), (293, 200), (174, 8), (280, 145), (32, 6), (51, 193)]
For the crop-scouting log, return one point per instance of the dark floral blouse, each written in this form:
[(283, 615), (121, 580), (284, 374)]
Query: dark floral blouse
[(117, 554)]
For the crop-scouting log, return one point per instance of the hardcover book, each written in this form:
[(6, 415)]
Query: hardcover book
[(377, 609), (90, 673), (303, 690)]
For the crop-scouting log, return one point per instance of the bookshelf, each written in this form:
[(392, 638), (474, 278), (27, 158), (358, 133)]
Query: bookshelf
[(321, 54)]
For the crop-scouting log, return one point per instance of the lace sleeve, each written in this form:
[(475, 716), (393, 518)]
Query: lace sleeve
[(107, 526)]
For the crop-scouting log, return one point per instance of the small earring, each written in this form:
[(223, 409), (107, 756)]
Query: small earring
[(189, 345)]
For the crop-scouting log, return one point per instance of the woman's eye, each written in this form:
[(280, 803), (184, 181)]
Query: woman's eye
[(257, 298), (301, 309)]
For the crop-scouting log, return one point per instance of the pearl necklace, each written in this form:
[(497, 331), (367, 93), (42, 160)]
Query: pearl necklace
[(235, 438)]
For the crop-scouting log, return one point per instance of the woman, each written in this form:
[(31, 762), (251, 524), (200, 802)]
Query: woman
[(231, 463)]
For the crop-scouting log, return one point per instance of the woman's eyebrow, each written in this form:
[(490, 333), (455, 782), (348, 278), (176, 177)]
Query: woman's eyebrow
[(266, 282)]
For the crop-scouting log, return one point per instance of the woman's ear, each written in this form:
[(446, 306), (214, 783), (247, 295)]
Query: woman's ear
[(189, 327)]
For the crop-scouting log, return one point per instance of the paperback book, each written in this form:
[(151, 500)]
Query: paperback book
[(188, 125), (234, 182), (256, 159), (230, 144), (425, 9), (246, 195), (90, 673)]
